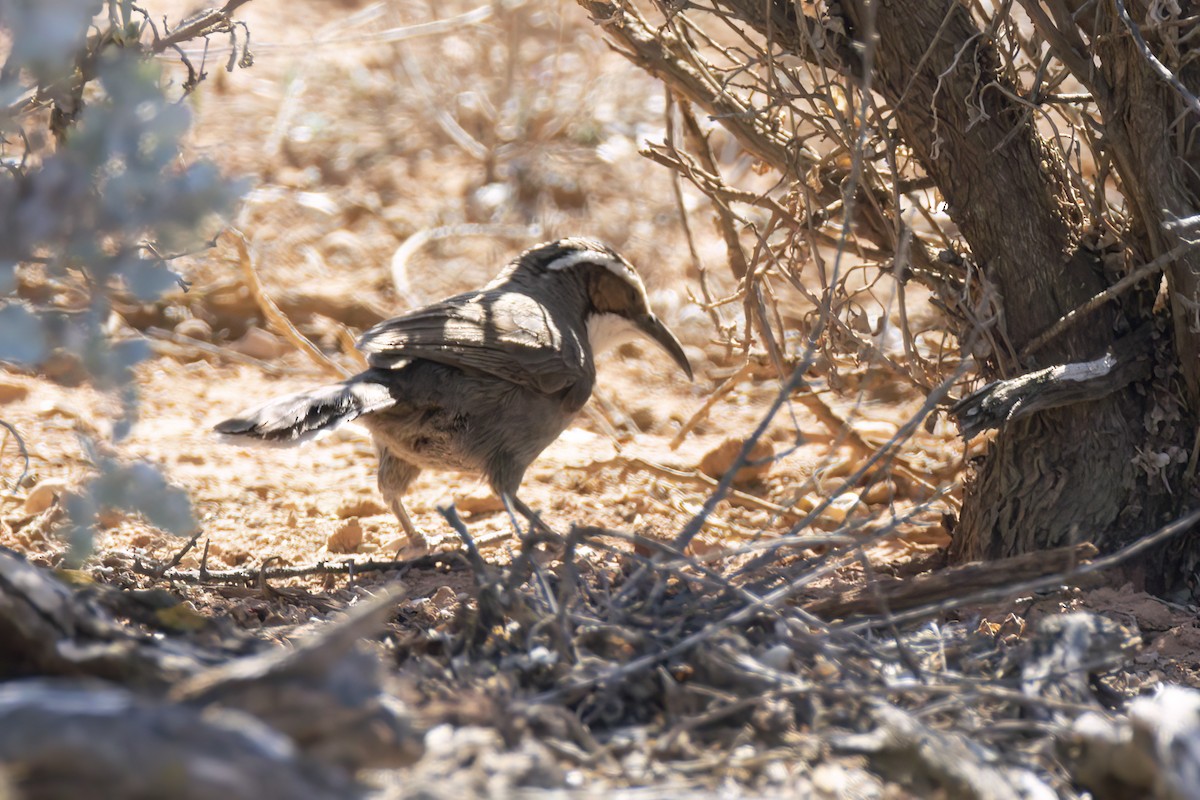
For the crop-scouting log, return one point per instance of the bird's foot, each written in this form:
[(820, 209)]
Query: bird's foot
[(407, 548), (535, 526), (413, 549), (416, 543)]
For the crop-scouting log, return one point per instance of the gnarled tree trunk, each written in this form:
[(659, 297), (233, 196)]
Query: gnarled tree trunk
[(1105, 470)]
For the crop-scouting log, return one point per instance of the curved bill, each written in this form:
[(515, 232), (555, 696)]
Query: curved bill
[(652, 327)]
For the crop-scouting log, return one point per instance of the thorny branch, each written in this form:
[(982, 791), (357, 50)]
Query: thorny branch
[(202, 23)]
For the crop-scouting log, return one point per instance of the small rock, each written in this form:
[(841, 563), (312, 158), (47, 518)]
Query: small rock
[(808, 502), (195, 329), (776, 772), (644, 417), (42, 496), (757, 519), (481, 501), (839, 463), (260, 344), (59, 408), (838, 510), (875, 431), (360, 507), (879, 492), (443, 598), (630, 350), (489, 199), (10, 391), (64, 367), (829, 779), (719, 460), (701, 547), (779, 657), (346, 538)]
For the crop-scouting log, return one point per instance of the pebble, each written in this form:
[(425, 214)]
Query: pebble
[(42, 496), (195, 329), (644, 418), (260, 344), (479, 502), (59, 408), (829, 779), (360, 507), (758, 519), (346, 538), (443, 598), (10, 391), (875, 431), (720, 459), (808, 502), (839, 509), (776, 772), (879, 492), (778, 657), (839, 463)]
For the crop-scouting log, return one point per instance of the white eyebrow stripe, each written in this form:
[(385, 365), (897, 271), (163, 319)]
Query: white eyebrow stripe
[(587, 257)]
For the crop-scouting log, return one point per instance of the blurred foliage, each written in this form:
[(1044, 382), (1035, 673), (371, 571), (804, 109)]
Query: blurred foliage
[(93, 193), (137, 488)]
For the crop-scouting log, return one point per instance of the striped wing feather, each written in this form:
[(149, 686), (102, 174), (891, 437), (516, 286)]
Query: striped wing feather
[(502, 333)]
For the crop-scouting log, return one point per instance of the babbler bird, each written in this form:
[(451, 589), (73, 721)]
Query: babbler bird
[(481, 382)]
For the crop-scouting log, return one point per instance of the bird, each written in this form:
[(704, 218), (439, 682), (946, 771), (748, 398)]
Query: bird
[(481, 382)]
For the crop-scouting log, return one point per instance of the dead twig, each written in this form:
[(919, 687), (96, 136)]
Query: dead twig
[(1180, 525), (901, 595), (178, 557), (436, 27), (715, 396), (21, 449), (203, 23), (276, 318), (350, 567), (171, 343)]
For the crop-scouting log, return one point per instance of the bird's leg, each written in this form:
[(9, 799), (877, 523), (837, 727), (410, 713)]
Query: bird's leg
[(524, 565), (395, 475), (406, 522)]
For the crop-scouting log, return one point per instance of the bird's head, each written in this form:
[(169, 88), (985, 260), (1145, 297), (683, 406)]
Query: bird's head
[(617, 308)]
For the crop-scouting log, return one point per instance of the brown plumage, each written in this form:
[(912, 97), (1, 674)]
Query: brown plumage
[(481, 382)]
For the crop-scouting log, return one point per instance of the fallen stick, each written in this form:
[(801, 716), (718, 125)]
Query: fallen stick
[(274, 316), (944, 584)]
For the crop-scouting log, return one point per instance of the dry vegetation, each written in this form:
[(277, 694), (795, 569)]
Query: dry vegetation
[(393, 164)]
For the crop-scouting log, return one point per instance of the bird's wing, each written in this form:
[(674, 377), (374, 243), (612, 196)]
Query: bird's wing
[(502, 333)]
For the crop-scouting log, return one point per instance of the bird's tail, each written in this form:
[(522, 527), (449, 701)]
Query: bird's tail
[(303, 416)]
